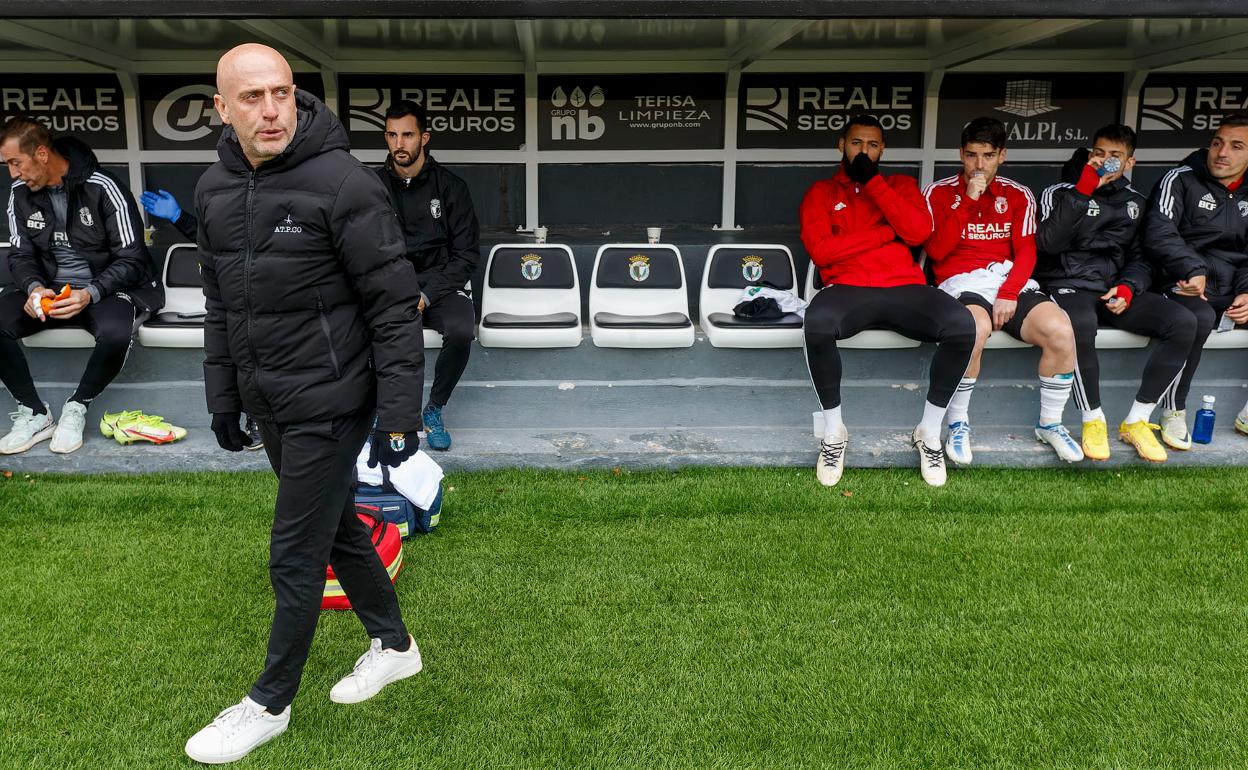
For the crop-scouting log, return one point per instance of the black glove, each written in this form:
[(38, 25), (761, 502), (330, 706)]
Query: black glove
[(390, 449), (862, 169), (229, 435)]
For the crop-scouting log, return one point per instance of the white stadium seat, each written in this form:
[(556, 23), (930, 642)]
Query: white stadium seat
[(1117, 339), (637, 297), (180, 323), (1235, 338), (531, 297), (729, 269), (871, 339)]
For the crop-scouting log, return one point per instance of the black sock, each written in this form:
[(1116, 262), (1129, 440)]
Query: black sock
[(274, 711), (403, 646)]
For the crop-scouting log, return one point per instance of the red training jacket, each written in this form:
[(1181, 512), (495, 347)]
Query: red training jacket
[(971, 234), (860, 235)]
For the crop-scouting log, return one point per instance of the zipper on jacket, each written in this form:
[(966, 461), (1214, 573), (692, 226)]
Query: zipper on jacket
[(329, 338), (248, 255)]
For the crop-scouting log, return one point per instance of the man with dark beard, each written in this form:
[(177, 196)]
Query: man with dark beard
[(441, 232)]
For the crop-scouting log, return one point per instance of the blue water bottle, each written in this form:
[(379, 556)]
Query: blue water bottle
[(1202, 431)]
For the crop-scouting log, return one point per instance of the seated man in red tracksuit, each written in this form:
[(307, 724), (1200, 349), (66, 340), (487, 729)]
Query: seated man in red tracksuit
[(858, 228), (983, 249)]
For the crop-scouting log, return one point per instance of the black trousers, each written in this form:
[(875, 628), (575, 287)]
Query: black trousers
[(1207, 313), (453, 316), (922, 313), (110, 321), (314, 525), (1151, 315)]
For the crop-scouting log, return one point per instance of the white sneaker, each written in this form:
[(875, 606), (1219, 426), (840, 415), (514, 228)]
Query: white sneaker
[(831, 462), (374, 670), (931, 459), (1063, 443), (28, 429), (958, 445), (68, 434), (1174, 429), (235, 732)]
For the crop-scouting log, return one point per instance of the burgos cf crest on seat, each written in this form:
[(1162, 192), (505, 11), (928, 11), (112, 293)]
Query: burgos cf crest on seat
[(531, 266), (639, 267), (752, 267)]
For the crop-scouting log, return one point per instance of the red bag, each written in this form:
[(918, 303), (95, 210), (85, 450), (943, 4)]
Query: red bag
[(389, 547)]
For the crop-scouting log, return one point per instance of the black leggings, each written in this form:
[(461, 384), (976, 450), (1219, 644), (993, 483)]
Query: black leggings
[(455, 318), (1151, 315), (110, 321), (919, 312), (1206, 314)]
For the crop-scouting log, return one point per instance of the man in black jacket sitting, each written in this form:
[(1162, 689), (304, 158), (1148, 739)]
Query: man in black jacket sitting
[(1196, 233), (442, 235), (71, 223), (1089, 261), (313, 327)]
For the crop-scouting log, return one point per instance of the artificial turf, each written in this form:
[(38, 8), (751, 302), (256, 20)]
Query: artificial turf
[(703, 618)]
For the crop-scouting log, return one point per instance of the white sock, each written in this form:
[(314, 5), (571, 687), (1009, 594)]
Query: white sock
[(1092, 415), (1243, 413), (1140, 412), (929, 426), (832, 423), (960, 404), (1054, 393)]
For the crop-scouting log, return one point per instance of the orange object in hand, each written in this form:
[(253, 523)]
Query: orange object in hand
[(46, 302)]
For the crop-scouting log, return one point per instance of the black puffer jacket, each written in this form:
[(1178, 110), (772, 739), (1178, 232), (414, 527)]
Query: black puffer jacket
[(312, 305), (1195, 226), (1091, 242), (439, 224), (103, 226)]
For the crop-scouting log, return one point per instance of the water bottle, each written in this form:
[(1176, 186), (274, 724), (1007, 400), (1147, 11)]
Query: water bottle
[(1202, 431)]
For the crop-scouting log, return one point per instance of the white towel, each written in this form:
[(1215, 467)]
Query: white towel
[(418, 478), (986, 281)]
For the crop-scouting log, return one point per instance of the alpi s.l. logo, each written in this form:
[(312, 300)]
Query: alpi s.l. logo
[(288, 225)]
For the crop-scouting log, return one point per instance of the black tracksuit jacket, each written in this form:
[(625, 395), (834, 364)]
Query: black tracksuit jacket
[(1091, 242), (439, 226), (103, 226), (1195, 226)]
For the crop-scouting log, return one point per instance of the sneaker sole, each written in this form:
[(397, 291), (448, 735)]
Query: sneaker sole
[(42, 435), (395, 677), (226, 758), (73, 448), (1174, 444), (1088, 456)]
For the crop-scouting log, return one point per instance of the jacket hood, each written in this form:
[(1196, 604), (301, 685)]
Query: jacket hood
[(317, 131), (82, 160), (1199, 161)]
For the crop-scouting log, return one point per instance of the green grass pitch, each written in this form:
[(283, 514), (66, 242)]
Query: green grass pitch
[(705, 618)]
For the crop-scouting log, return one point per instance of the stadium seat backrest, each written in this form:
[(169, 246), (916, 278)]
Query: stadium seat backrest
[(731, 267), (184, 287), (639, 280), (530, 280)]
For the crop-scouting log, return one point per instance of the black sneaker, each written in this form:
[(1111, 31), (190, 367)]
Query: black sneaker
[(253, 433)]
